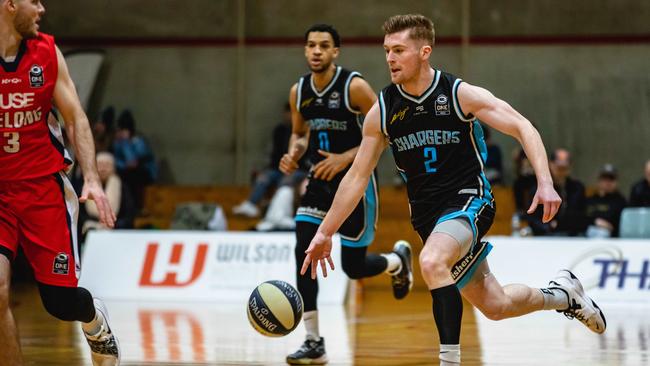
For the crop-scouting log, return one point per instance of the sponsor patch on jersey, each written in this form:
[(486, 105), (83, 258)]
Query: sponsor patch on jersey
[(36, 79), (306, 102), (399, 115), (319, 101), (334, 101), (10, 81), (420, 110), (61, 264), (442, 105)]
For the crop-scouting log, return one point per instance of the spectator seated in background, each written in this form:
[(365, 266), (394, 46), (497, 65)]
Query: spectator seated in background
[(640, 194), (118, 196), (525, 182), (271, 177), (134, 159), (604, 208), (103, 130), (570, 219), (494, 163)]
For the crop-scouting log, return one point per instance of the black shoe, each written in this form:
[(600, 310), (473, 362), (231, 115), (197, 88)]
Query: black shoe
[(310, 353), (402, 280)]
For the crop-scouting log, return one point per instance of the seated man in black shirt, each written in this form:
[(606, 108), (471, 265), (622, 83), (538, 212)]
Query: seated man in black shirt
[(570, 219), (605, 206)]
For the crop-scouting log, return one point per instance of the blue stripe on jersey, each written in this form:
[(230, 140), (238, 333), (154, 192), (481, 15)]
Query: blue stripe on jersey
[(479, 141), (382, 113), (371, 209), (310, 219)]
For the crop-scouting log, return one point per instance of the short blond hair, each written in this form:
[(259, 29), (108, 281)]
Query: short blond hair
[(421, 27)]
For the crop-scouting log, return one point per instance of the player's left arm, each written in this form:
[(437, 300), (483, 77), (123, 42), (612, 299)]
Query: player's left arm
[(67, 102), (500, 115), (362, 97), (348, 195)]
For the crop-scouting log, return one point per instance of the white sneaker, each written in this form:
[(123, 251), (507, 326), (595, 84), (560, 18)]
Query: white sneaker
[(265, 225), (247, 209), (581, 306), (286, 223), (104, 346)]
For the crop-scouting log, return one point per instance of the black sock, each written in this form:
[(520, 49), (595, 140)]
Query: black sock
[(358, 264), (448, 313), (307, 287)]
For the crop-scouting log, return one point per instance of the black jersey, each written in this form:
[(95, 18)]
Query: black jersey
[(335, 126), (439, 150)]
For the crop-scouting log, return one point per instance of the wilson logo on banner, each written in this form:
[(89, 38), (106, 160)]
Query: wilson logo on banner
[(153, 263)]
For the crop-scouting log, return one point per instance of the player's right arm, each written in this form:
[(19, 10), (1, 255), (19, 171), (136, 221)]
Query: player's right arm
[(299, 136), (67, 101), (350, 191)]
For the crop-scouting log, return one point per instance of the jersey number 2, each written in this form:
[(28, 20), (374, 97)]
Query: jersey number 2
[(431, 154), (13, 143), (324, 141)]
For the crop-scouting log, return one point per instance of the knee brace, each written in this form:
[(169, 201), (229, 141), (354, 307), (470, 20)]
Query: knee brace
[(67, 303)]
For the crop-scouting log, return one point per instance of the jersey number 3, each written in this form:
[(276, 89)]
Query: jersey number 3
[(13, 143), (431, 154)]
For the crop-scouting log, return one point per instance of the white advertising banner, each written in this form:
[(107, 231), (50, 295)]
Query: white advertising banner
[(611, 270), (190, 265)]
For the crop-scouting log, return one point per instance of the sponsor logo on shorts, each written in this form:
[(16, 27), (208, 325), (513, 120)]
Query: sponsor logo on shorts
[(36, 79), (464, 264), (311, 211), (61, 264)]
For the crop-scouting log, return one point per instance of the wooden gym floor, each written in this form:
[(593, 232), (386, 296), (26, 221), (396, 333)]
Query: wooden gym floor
[(381, 331)]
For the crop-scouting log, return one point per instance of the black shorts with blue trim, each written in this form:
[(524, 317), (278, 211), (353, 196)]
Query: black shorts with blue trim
[(479, 213), (358, 230)]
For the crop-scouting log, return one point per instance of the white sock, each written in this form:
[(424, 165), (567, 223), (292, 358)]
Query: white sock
[(311, 324), (449, 353), (394, 262), (554, 299), (94, 326)]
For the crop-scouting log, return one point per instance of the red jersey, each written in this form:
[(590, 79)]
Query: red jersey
[(27, 147)]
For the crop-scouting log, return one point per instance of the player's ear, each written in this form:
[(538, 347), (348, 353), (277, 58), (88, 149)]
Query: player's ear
[(336, 52), (425, 51)]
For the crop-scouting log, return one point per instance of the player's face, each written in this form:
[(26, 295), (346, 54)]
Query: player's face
[(404, 56), (320, 51), (28, 14)]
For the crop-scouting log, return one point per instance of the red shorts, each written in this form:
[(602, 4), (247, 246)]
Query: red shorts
[(41, 215)]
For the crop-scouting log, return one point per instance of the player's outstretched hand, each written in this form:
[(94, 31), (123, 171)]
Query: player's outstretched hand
[(329, 167), (548, 197), (94, 191), (318, 252)]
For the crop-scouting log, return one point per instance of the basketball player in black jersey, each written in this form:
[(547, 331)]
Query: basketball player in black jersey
[(428, 117), (327, 106)]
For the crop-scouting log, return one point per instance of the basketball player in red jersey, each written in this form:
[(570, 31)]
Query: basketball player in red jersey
[(38, 207)]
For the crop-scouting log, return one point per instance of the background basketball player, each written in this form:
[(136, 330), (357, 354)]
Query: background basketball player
[(327, 106)]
